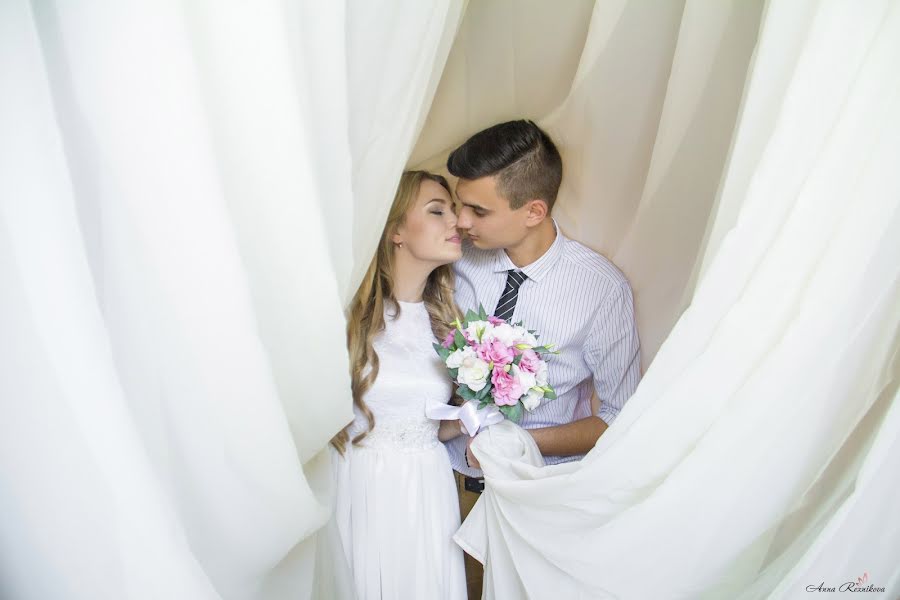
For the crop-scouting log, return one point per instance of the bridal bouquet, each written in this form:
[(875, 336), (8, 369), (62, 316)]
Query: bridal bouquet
[(497, 365)]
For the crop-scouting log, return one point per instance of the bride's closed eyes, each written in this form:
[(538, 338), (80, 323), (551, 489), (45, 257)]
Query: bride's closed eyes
[(436, 206)]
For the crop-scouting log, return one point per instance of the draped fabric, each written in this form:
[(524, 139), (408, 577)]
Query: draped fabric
[(181, 183), (191, 191), (755, 457)]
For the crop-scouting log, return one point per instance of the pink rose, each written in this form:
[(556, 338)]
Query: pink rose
[(506, 391), (495, 321), (496, 352), (448, 341), (530, 361)]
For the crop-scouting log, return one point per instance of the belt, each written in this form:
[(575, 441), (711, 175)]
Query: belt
[(474, 484)]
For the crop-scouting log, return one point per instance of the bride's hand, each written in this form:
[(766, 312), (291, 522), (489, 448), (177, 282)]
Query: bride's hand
[(451, 429)]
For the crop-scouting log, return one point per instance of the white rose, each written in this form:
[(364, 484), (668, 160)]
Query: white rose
[(526, 380), (532, 399), (473, 372), (505, 334), (457, 356), (487, 333), (541, 375), (474, 326)]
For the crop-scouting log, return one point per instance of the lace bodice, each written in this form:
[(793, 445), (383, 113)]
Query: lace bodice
[(410, 373)]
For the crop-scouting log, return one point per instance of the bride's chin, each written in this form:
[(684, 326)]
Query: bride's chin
[(450, 260)]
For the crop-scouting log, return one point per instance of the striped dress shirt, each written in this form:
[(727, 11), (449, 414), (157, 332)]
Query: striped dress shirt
[(577, 300)]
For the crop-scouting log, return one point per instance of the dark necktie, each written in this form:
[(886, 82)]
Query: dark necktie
[(507, 303)]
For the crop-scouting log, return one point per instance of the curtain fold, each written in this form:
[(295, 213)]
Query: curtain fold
[(181, 184), (742, 463)]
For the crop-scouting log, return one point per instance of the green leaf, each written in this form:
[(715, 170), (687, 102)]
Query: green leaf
[(483, 392), (513, 413), (459, 339), (549, 394), (517, 359), (465, 392), (454, 373)]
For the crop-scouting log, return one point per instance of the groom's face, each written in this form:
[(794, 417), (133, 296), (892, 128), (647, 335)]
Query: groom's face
[(485, 215)]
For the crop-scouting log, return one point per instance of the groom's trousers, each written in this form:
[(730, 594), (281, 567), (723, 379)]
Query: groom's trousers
[(474, 569)]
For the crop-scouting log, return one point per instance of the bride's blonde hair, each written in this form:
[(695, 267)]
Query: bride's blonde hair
[(366, 313)]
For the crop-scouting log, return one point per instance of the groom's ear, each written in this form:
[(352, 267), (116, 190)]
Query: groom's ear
[(537, 212)]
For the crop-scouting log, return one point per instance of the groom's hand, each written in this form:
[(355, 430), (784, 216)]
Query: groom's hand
[(470, 456)]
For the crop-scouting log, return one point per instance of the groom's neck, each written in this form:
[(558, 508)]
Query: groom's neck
[(534, 245)]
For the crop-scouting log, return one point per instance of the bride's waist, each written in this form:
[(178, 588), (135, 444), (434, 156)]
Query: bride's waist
[(402, 433)]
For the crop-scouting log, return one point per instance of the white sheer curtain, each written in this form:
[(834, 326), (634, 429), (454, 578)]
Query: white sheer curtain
[(754, 458), (189, 192), (180, 186)]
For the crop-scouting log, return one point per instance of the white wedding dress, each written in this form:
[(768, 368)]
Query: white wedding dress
[(397, 507)]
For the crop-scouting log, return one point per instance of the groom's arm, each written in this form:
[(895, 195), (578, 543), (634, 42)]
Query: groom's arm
[(577, 437), (571, 439), (612, 353)]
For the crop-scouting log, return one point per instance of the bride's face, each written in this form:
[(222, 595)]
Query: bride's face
[(428, 232)]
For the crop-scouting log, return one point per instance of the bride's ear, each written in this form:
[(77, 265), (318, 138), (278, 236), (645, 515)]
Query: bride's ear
[(397, 240)]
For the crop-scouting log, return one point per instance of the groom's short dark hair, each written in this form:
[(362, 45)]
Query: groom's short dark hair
[(522, 157)]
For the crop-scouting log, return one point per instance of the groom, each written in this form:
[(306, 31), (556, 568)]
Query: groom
[(518, 264)]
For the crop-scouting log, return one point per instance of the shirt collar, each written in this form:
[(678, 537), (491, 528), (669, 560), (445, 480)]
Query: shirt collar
[(539, 268)]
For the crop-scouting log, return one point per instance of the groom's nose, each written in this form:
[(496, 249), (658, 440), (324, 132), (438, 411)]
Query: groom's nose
[(464, 220)]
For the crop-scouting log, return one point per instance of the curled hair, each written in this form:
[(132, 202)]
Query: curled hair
[(365, 319), (520, 154)]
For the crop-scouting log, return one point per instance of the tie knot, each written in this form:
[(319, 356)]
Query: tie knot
[(515, 278)]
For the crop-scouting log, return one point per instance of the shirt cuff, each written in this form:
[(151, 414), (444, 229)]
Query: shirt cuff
[(608, 414)]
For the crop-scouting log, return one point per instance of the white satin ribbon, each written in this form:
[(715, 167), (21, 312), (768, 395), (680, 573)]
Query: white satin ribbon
[(471, 416)]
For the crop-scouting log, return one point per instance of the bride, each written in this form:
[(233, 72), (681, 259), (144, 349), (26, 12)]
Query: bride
[(396, 496)]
